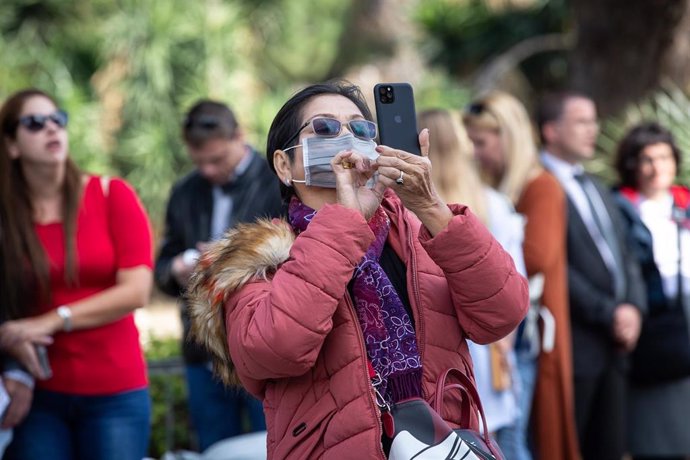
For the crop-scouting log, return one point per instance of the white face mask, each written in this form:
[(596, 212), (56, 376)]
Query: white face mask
[(319, 151)]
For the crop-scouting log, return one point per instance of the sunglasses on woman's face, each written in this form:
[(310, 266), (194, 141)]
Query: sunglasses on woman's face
[(330, 127), (476, 108), (35, 123)]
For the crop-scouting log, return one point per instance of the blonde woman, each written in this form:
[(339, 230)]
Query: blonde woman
[(456, 177), (501, 132)]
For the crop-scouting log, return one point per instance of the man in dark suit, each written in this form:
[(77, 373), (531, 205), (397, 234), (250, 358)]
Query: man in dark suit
[(231, 184), (605, 287)]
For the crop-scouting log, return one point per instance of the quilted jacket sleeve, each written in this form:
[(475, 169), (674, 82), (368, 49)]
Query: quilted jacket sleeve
[(276, 328), (489, 295)]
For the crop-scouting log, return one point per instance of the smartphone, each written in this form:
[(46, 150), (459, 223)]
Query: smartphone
[(396, 116), (42, 354)]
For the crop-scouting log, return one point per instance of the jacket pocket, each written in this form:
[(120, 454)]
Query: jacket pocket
[(304, 437)]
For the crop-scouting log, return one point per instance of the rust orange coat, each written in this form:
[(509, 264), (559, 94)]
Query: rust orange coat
[(543, 203)]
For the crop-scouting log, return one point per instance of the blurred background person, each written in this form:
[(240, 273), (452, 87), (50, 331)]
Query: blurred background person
[(503, 138), (457, 180), (86, 247), (656, 212), (606, 291), (231, 183)]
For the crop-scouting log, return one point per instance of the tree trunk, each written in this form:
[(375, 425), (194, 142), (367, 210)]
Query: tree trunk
[(621, 48), (676, 64)]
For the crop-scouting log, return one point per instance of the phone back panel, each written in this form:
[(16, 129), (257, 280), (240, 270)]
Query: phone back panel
[(397, 119)]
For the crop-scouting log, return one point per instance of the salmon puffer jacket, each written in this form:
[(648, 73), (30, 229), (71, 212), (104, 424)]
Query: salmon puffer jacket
[(276, 312)]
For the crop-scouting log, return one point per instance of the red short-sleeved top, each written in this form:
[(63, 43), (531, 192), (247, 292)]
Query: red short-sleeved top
[(113, 232)]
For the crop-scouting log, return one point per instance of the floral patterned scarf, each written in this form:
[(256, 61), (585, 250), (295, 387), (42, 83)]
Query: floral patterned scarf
[(388, 332)]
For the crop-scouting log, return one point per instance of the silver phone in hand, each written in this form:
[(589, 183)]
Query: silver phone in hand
[(42, 353)]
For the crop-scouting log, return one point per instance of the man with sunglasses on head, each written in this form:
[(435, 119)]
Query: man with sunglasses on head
[(230, 184)]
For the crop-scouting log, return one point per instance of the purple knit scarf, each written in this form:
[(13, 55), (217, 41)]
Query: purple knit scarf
[(388, 332)]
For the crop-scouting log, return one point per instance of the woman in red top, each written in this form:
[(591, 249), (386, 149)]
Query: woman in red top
[(79, 247)]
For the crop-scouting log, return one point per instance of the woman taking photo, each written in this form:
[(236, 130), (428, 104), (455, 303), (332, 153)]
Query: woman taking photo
[(372, 276), (79, 247), (657, 214)]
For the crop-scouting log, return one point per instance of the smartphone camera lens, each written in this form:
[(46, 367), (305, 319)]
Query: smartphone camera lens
[(386, 94)]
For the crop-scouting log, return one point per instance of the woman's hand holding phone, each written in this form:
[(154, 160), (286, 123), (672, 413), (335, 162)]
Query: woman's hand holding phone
[(409, 176)]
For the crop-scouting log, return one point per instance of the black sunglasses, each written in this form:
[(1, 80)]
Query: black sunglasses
[(475, 108), (207, 122), (330, 127), (35, 123)]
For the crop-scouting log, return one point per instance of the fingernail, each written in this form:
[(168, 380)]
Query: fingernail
[(379, 148)]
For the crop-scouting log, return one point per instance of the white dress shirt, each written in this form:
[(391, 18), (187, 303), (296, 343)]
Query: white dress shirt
[(222, 202), (656, 215), (565, 173)]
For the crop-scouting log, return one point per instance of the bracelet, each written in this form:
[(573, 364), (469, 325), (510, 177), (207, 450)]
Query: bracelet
[(65, 313)]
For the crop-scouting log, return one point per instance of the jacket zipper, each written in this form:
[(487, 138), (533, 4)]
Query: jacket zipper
[(419, 324), (372, 397)]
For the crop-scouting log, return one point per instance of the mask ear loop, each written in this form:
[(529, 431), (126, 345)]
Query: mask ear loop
[(289, 182)]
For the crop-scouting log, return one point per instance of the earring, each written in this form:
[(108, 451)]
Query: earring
[(287, 182)]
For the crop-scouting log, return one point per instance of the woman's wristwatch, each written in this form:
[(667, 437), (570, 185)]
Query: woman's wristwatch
[(65, 313)]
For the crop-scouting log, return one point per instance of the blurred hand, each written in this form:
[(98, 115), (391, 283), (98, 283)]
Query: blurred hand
[(627, 322), (181, 271), (20, 403), (417, 190), (18, 339), (352, 171), (202, 246), (507, 343)]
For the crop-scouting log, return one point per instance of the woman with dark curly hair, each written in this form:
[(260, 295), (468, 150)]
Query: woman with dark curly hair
[(656, 211)]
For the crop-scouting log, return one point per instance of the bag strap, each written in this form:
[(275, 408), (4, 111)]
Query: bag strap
[(469, 394), (465, 407), (105, 185)]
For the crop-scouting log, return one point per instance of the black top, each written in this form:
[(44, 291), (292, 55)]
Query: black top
[(397, 273)]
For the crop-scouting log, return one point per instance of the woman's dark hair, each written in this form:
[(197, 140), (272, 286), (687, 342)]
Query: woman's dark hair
[(23, 266), (632, 145), (289, 118)]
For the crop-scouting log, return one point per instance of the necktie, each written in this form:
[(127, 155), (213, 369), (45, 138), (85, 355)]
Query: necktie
[(229, 187), (606, 231)]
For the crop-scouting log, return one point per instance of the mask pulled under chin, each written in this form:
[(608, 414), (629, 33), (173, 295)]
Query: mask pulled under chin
[(319, 151)]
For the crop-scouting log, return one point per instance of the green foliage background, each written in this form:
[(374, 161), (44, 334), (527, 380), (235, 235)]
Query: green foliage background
[(127, 71), (169, 400)]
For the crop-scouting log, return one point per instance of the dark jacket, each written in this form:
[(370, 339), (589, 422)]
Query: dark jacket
[(188, 222), (591, 295), (663, 350)]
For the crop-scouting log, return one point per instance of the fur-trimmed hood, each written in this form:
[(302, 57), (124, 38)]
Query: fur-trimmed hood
[(246, 253)]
